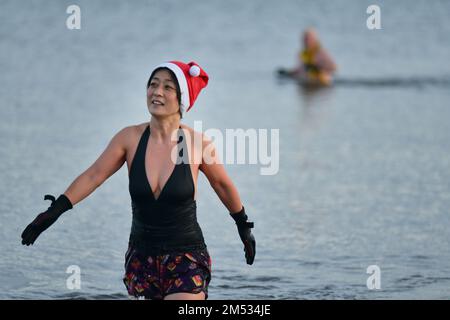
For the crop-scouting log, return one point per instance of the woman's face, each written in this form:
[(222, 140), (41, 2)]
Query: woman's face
[(162, 95)]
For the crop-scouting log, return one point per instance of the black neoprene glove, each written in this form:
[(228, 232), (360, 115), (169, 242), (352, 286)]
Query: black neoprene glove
[(46, 219), (244, 229)]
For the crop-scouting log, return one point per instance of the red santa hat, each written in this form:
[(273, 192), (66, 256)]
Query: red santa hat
[(191, 79)]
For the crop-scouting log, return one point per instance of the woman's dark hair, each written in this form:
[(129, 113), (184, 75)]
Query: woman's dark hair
[(173, 78)]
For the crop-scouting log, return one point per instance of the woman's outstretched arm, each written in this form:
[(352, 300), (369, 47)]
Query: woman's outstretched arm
[(228, 194), (111, 160), (218, 178)]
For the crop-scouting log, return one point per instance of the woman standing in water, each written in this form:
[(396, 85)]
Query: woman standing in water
[(167, 257)]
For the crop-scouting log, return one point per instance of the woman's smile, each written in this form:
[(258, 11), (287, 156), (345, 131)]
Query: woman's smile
[(157, 102)]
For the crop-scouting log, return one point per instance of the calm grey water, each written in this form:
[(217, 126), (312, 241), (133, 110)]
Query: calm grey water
[(364, 175)]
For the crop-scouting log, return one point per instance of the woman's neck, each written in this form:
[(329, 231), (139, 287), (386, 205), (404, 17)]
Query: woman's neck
[(162, 129)]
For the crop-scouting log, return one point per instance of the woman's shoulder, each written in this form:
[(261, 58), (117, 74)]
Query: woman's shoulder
[(197, 135), (189, 130), (135, 129), (130, 133)]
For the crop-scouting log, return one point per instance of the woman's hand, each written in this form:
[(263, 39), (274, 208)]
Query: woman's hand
[(45, 219), (249, 242), (247, 238)]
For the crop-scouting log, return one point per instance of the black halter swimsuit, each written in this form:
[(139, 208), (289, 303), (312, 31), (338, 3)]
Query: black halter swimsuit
[(167, 224)]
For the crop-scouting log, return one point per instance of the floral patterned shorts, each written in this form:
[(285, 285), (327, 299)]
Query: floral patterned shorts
[(156, 276)]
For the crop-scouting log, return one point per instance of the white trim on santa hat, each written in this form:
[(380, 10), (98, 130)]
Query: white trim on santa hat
[(182, 83)]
